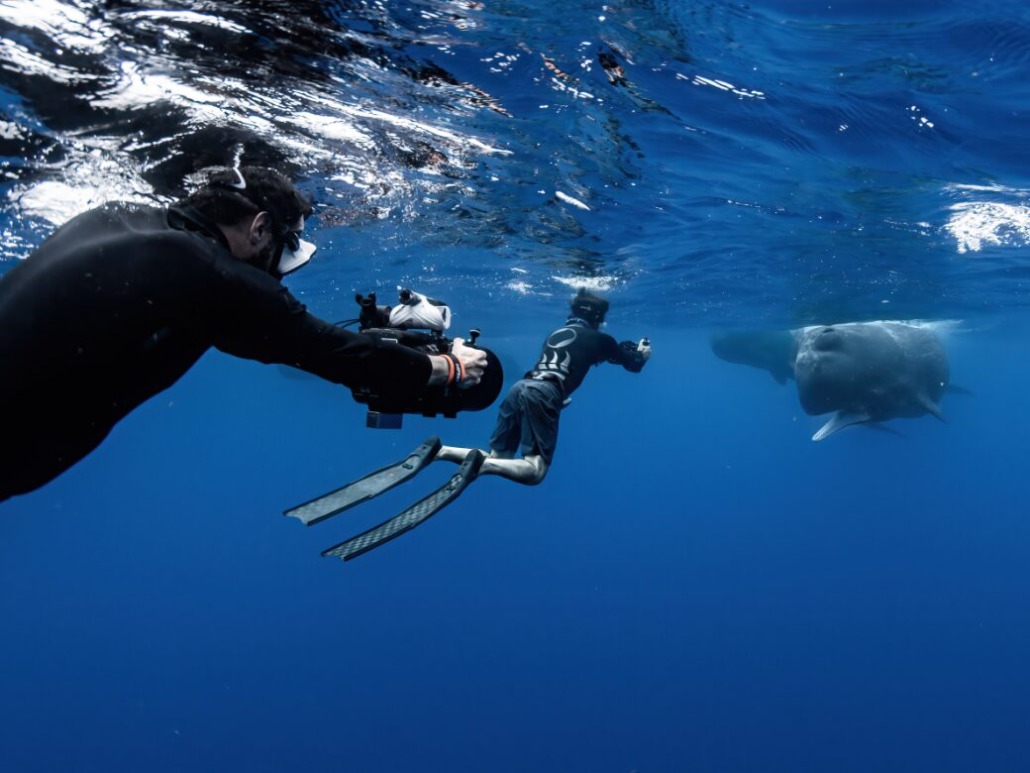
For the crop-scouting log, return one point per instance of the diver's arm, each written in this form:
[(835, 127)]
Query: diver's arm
[(260, 320), (252, 315), (629, 354)]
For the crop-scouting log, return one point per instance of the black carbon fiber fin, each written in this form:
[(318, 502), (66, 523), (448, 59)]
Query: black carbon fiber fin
[(371, 485), (414, 515)]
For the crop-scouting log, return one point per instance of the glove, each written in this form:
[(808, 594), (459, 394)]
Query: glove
[(644, 347)]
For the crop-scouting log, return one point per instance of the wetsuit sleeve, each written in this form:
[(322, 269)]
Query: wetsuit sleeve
[(624, 354), (260, 320)]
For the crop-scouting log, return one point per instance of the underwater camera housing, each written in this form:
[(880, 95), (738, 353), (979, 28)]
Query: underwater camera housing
[(419, 323)]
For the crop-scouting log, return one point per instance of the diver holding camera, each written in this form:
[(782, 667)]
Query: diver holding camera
[(120, 302), (527, 421)]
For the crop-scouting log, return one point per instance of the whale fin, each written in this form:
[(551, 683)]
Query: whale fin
[(884, 428), (840, 420), (781, 372), (931, 407)]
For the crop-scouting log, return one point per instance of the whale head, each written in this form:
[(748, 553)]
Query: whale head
[(869, 372)]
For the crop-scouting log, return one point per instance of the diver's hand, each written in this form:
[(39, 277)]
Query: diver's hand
[(463, 366), (473, 363)]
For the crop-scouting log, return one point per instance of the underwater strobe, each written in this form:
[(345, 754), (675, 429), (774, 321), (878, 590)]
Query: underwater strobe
[(419, 322)]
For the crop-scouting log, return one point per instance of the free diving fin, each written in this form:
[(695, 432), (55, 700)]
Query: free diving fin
[(371, 485), (414, 515)]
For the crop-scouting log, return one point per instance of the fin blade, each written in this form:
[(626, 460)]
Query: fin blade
[(368, 486), (414, 515), (839, 421)]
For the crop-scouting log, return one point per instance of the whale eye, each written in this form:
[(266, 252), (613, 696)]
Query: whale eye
[(827, 339)]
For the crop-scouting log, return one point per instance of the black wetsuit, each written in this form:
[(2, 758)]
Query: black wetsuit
[(117, 304), (528, 416)]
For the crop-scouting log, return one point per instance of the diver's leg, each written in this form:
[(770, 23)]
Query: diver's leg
[(454, 454), (505, 439), (537, 419), (457, 454), (529, 471)]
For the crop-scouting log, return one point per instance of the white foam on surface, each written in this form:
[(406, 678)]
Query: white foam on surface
[(978, 224)]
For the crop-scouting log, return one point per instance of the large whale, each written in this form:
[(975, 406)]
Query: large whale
[(861, 371)]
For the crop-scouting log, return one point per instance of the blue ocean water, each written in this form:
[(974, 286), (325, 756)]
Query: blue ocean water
[(696, 585)]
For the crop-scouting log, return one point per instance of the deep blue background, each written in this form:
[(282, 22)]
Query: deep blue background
[(697, 585)]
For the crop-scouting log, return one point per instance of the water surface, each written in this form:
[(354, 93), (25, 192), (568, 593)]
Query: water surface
[(696, 585)]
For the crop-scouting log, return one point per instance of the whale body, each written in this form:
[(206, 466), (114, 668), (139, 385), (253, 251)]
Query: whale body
[(863, 372)]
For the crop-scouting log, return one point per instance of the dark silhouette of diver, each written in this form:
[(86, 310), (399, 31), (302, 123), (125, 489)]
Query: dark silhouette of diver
[(528, 416), (118, 303)]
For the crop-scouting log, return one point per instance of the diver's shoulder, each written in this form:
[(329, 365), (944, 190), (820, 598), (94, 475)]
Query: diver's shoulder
[(122, 210), (603, 337)]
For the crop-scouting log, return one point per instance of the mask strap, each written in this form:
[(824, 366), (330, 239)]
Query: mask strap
[(240, 183)]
